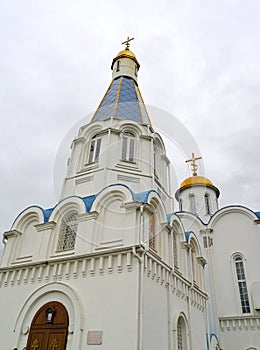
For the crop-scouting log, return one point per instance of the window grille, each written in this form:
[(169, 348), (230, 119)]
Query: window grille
[(152, 243), (68, 232), (179, 336)]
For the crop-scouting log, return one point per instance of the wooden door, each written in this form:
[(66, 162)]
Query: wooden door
[(49, 328)]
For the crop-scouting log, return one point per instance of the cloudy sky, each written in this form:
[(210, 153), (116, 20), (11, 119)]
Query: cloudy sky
[(200, 63)]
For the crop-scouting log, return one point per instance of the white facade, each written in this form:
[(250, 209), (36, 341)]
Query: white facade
[(112, 265), (229, 239)]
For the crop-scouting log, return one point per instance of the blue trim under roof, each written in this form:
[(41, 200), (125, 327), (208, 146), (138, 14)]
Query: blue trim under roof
[(141, 197), (257, 213), (187, 235), (88, 202), (47, 214)]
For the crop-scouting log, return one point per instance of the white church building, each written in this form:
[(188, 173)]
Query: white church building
[(113, 265)]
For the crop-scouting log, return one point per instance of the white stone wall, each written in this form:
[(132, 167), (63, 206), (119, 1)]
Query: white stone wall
[(84, 179), (232, 230), (199, 193)]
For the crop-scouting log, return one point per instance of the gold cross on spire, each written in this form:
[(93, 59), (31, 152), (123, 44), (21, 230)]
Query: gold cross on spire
[(193, 163), (127, 45)]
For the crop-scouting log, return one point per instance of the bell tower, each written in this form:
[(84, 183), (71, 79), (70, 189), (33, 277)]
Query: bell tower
[(119, 144)]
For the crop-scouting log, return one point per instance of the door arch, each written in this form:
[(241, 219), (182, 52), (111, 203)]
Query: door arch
[(49, 328)]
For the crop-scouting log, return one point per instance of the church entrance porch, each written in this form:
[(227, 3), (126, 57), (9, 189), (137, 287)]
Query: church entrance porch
[(49, 328)]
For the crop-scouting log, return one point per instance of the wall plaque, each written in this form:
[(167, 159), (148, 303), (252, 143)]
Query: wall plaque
[(94, 337)]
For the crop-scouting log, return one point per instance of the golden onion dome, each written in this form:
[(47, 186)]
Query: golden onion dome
[(126, 53), (196, 181)]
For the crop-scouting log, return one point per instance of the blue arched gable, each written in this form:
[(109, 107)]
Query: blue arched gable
[(89, 200), (191, 234), (141, 197)]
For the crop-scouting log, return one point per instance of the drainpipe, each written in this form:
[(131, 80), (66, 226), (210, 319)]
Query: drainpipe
[(140, 306), (189, 298), (211, 309), (170, 346), (140, 257)]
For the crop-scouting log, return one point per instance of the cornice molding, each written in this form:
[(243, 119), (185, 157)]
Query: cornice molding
[(45, 226), (11, 233)]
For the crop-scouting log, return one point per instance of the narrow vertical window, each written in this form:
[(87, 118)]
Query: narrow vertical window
[(192, 203), (128, 146), (181, 334), (98, 144), (136, 70), (152, 232), (175, 249), (180, 204), (242, 287), (118, 66), (94, 149), (131, 149), (194, 262), (156, 159), (207, 204), (68, 232)]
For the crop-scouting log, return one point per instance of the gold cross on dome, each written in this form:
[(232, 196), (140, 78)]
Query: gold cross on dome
[(194, 166), (127, 45)]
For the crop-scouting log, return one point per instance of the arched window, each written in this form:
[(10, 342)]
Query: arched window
[(194, 261), (118, 66), (68, 232), (128, 147), (94, 149), (181, 334), (242, 287), (136, 70), (180, 204), (192, 203), (156, 159), (175, 249), (152, 237), (207, 203)]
